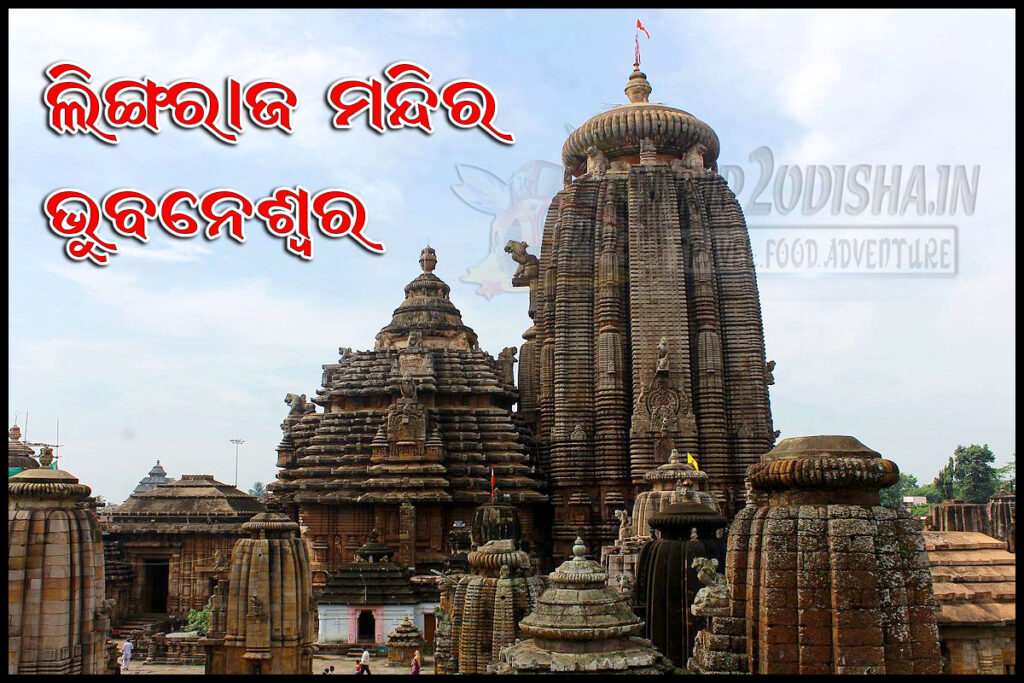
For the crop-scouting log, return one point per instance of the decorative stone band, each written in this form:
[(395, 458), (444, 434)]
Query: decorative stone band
[(618, 131), (269, 521), (490, 557), (46, 484), (826, 472)]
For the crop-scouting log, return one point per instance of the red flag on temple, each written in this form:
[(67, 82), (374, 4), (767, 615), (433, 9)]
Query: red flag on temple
[(493, 481), (641, 27)]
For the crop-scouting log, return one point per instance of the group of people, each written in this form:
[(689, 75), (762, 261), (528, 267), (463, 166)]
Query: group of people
[(363, 667)]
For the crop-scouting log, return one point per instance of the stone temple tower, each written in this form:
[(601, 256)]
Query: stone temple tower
[(647, 327)]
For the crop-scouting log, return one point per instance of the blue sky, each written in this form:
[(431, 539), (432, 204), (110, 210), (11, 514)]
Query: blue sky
[(180, 345)]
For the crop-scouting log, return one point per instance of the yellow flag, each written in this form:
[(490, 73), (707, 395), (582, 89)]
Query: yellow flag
[(690, 460)]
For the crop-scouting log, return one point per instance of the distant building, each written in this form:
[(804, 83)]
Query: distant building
[(974, 579), (156, 477), (911, 501)]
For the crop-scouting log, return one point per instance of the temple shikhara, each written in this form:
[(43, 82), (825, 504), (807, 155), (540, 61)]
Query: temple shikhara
[(617, 505)]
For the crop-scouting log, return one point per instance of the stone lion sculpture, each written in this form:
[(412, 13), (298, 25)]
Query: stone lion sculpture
[(298, 404), (713, 599), (528, 263)]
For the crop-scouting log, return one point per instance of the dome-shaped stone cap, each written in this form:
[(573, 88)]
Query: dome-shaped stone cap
[(269, 522), (676, 469), (18, 454), (687, 514), (579, 605), (618, 131), (824, 462), (43, 482)]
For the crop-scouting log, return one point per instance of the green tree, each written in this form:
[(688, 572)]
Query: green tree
[(945, 483), (198, 621), (258, 490), (1007, 475), (892, 497), (975, 478)]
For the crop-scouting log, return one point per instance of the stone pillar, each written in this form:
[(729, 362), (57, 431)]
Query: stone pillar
[(57, 616), (407, 534)]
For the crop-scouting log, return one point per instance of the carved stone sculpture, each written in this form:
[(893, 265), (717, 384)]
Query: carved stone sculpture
[(713, 599)]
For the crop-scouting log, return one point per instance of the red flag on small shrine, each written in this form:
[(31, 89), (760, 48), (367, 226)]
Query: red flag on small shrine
[(641, 27), (493, 481)]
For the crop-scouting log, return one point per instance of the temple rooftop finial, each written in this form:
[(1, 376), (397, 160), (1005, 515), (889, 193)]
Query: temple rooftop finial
[(428, 259), (638, 89)]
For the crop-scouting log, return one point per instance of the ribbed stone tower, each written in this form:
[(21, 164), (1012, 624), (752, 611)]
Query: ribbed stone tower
[(264, 622), (822, 579), (647, 327), (408, 438), (489, 602), (56, 616), (581, 625)]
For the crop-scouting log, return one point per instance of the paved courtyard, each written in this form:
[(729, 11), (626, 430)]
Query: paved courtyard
[(342, 665)]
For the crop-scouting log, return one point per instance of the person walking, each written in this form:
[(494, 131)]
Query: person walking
[(364, 663), (126, 655), (416, 663)]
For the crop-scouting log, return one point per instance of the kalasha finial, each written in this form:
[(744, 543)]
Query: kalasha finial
[(638, 89), (45, 456), (428, 259), (579, 550), (15, 433), (673, 457)]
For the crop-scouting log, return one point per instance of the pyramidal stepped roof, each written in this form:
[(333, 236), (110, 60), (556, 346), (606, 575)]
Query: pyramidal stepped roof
[(156, 477), (428, 311), (194, 500), (581, 625)]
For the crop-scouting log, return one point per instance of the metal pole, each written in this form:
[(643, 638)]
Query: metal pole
[(237, 443)]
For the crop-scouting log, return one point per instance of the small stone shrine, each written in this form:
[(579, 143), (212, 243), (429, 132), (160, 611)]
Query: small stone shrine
[(57, 616), (822, 579), (580, 625), (404, 642), (369, 596), (667, 579), (261, 618), (174, 541), (19, 456), (490, 601), (671, 482)]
